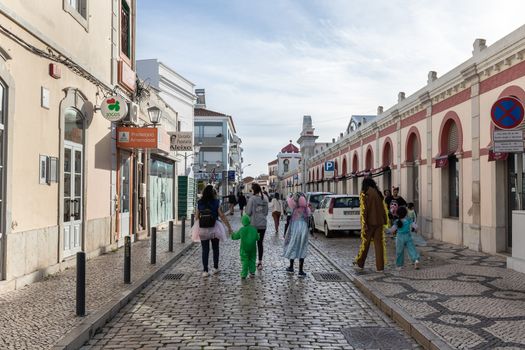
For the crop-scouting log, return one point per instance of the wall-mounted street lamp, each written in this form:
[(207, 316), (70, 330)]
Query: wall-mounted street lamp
[(154, 114)]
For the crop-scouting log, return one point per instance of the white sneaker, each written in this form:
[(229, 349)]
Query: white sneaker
[(416, 264), (214, 271), (205, 274)]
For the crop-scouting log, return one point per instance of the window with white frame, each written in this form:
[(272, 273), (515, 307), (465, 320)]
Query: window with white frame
[(78, 9), (211, 157), (286, 165)]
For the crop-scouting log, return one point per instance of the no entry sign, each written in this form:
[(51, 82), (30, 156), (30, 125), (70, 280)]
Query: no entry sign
[(507, 113)]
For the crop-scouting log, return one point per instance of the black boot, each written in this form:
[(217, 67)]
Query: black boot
[(301, 272), (290, 268)]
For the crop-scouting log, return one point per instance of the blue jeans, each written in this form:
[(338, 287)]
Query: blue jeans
[(206, 253), (405, 240)]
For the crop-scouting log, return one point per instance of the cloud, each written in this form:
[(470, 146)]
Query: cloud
[(269, 63)]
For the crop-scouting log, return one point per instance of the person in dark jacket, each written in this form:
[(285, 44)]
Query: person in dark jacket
[(373, 218), (241, 199)]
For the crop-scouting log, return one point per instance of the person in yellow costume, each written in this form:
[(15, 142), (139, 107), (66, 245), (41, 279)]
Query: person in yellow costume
[(249, 236), (373, 221)]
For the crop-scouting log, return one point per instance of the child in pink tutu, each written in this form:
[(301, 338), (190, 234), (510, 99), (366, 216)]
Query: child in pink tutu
[(296, 239), (208, 228)]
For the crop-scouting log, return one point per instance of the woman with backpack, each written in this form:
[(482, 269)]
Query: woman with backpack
[(257, 210), (208, 228)]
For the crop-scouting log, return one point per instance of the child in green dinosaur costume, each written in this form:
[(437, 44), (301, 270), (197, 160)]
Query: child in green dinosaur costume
[(249, 236)]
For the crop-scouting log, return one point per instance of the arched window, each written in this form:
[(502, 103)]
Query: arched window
[(369, 159), (74, 126)]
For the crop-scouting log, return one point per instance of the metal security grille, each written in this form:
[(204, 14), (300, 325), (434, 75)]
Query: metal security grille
[(329, 277), (173, 276), (452, 145)]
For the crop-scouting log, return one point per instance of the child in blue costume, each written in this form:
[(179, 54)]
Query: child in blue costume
[(403, 226), (249, 236)]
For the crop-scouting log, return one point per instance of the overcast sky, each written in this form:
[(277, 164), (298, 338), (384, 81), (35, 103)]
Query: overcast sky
[(268, 63)]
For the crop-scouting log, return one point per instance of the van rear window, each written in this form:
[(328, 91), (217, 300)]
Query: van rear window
[(346, 202)]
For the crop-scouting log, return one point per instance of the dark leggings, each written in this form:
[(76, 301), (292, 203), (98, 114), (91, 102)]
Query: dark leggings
[(206, 253), (301, 264), (260, 249)]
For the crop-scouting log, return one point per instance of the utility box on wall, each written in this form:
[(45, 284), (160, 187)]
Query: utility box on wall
[(187, 193)]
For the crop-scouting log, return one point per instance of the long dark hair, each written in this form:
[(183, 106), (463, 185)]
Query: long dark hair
[(208, 194), (257, 189), (369, 182), (401, 214)]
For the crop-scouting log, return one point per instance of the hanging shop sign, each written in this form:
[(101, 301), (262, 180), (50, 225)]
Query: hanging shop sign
[(181, 141), (442, 162), (507, 113), (493, 156), (114, 108), (143, 138)]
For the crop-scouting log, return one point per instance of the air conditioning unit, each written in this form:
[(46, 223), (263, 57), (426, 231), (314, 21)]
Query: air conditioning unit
[(133, 114)]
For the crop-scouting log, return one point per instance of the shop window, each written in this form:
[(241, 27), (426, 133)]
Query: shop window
[(453, 187), (125, 29)]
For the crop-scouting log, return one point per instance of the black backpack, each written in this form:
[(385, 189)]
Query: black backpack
[(206, 217)]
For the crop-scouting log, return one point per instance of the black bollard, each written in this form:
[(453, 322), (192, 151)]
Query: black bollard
[(153, 245), (81, 284), (127, 259), (192, 219), (170, 236), (183, 230)]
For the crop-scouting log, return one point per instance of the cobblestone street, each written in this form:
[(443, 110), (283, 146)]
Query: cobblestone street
[(38, 315), (272, 310), (470, 299)]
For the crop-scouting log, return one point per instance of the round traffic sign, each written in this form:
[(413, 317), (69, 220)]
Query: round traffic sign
[(507, 113)]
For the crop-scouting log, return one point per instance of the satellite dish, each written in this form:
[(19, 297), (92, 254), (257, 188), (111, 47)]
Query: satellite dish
[(87, 111)]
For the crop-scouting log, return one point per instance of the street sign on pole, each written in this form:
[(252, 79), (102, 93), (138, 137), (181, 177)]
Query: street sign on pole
[(329, 168), (507, 113), (508, 141)]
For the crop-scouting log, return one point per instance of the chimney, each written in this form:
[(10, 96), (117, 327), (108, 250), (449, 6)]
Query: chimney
[(379, 110), (479, 45), (400, 96), (341, 135), (333, 140), (201, 98), (432, 76)]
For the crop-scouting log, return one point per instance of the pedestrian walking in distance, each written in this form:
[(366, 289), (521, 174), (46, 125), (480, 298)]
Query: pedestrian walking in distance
[(276, 211), (241, 199), (208, 228), (296, 240), (257, 210), (231, 202), (373, 218), (248, 251), (403, 226)]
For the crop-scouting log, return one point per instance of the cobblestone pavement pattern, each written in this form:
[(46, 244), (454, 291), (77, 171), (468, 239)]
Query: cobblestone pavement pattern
[(468, 298), (38, 315), (272, 310)]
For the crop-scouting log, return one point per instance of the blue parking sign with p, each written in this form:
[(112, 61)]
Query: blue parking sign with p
[(329, 166)]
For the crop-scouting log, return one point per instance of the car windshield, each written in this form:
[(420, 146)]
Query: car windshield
[(315, 199), (346, 202)]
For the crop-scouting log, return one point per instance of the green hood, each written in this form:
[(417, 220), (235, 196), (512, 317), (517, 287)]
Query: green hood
[(245, 220)]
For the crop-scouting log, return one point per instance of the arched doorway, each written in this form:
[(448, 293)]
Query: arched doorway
[(355, 169), (413, 152), (369, 159), (343, 173), (387, 161)]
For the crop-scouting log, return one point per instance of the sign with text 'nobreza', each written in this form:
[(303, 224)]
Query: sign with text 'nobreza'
[(181, 141)]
